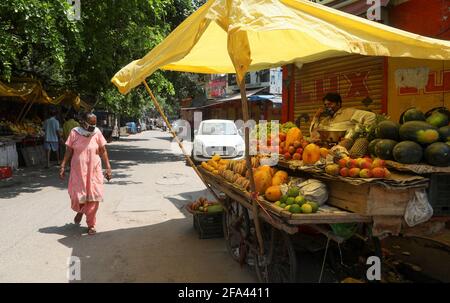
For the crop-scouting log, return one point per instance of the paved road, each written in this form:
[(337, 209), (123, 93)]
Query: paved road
[(144, 233)]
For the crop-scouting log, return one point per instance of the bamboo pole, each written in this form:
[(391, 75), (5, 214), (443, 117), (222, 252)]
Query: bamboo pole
[(249, 166), (186, 155)]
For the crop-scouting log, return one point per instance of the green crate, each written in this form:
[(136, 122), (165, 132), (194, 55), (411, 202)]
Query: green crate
[(439, 194), (208, 225)]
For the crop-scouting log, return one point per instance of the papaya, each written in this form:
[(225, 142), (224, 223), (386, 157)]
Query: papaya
[(294, 134), (438, 154), (419, 131), (273, 193), (282, 175), (311, 154), (407, 152), (263, 180)]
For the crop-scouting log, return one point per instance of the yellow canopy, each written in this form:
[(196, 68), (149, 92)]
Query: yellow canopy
[(30, 90), (236, 36)]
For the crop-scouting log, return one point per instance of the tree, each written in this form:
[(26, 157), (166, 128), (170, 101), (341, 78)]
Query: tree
[(37, 38)]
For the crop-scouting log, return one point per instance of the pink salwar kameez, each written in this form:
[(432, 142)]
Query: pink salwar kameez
[(86, 176)]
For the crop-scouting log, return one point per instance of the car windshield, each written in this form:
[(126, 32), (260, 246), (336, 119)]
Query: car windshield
[(218, 128)]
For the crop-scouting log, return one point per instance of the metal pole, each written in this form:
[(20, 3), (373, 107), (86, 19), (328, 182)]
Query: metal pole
[(249, 167), (188, 158)]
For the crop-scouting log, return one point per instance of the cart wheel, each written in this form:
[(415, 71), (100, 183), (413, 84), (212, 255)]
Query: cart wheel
[(279, 262), (236, 229)]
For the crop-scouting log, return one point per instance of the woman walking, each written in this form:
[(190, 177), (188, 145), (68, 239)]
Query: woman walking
[(86, 146)]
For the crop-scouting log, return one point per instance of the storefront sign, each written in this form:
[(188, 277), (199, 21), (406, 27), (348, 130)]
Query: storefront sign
[(424, 90), (216, 87)]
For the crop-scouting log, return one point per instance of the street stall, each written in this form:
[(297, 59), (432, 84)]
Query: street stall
[(261, 208), (24, 104)]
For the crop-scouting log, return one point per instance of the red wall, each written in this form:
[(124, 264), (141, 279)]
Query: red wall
[(423, 17)]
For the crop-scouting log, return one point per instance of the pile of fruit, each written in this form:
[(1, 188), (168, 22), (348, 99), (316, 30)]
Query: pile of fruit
[(26, 128), (215, 164), (203, 205), (294, 146), (295, 203), (234, 171), (417, 139), (267, 179), (359, 168)]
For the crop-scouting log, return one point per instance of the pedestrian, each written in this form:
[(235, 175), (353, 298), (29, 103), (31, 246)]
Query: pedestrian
[(86, 147), (69, 125), (52, 136)]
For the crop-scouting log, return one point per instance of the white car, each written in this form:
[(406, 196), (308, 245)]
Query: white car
[(219, 137)]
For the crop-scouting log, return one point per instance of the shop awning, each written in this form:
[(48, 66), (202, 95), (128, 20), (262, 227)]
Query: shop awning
[(237, 36), (224, 100), (271, 98), (30, 90)]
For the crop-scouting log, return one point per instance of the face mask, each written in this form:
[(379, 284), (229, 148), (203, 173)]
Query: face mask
[(329, 111), (90, 128)]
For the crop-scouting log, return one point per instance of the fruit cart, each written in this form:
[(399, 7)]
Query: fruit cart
[(241, 37), (378, 205)]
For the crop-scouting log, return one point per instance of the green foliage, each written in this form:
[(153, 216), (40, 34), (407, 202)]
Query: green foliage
[(37, 38)]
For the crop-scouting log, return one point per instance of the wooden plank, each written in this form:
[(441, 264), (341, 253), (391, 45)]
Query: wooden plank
[(319, 220), (369, 199), (327, 214), (349, 197), (388, 202)]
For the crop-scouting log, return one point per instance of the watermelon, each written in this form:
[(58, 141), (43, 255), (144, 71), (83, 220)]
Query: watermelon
[(384, 148), (419, 131), (412, 114), (407, 152), (387, 130), (444, 133), (438, 119), (372, 146), (438, 154)]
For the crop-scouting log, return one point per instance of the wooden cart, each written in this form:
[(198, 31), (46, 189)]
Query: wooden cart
[(380, 209), (278, 263)]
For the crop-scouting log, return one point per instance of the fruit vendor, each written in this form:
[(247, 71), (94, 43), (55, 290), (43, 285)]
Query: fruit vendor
[(333, 117)]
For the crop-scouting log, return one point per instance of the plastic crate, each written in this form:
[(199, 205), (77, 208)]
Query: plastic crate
[(5, 172), (439, 194), (208, 225)]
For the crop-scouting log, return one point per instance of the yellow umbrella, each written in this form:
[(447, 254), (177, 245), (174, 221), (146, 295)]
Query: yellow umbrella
[(237, 36), (228, 36)]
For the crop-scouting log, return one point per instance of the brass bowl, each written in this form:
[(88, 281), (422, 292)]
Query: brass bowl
[(331, 136)]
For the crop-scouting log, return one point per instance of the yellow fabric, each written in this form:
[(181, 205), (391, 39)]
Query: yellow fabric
[(228, 36), (30, 90)]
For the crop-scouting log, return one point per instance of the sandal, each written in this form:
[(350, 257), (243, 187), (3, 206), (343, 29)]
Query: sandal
[(78, 218), (91, 231)]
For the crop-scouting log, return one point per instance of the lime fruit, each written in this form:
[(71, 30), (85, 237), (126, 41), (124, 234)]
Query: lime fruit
[(284, 198), (295, 209), (314, 206), (290, 201), (307, 208), (293, 191), (300, 200)]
